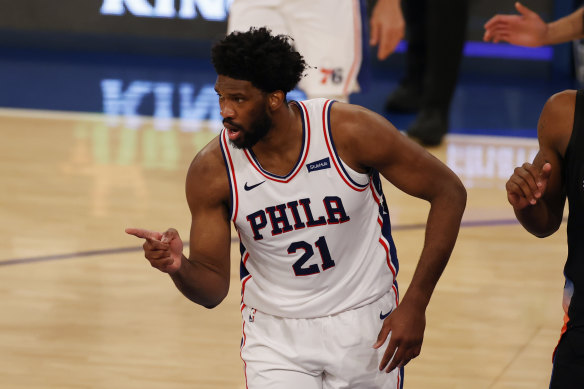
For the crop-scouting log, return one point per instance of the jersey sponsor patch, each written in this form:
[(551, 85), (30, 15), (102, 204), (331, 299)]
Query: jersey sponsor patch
[(324, 163)]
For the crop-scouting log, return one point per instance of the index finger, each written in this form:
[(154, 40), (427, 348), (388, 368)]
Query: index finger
[(374, 34), (498, 19), (144, 234)]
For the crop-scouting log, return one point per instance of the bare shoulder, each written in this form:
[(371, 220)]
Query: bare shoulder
[(207, 175), (556, 121), (359, 133)]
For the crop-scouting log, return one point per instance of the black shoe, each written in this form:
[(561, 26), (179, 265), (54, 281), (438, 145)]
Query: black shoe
[(429, 127), (404, 99)]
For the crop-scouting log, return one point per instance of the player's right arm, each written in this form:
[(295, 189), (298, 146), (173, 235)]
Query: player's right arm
[(204, 276), (537, 190)]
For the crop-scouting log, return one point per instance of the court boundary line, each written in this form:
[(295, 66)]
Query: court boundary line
[(234, 239)]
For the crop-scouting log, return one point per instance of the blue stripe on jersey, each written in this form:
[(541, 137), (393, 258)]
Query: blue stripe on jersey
[(300, 157), (384, 213), (242, 270), (336, 155), (227, 166)]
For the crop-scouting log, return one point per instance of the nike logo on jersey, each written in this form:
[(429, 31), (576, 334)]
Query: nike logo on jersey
[(319, 165), (382, 316), (250, 187)]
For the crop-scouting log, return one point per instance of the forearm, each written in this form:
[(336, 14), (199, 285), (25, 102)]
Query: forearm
[(200, 283), (566, 29), (442, 229), (538, 219)]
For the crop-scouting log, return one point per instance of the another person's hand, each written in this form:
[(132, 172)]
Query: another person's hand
[(527, 185), (526, 29), (162, 250), (387, 27)]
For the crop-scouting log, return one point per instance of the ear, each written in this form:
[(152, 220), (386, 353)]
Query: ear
[(276, 99)]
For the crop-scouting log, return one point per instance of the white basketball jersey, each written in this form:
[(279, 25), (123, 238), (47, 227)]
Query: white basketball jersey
[(316, 241)]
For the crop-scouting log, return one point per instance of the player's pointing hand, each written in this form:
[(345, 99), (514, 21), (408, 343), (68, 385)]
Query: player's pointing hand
[(162, 250)]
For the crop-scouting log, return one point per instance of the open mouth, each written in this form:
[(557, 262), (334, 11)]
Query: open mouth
[(233, 132)]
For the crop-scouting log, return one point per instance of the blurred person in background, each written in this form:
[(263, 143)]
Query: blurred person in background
[(329, 34), (529, 30), (435, 32)]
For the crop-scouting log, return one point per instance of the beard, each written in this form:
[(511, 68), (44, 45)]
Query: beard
[(257, 130)]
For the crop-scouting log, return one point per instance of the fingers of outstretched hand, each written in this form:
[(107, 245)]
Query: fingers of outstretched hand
[(398, 354), (389, 355), (497, 35), (499, 21), (382, 336), (144, 234), (523, 10), (387, 36)]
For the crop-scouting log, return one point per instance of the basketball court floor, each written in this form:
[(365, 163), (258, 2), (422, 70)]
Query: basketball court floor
[(90, 147)]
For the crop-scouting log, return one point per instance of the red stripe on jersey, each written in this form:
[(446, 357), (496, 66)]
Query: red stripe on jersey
[(330, 150), (374, 192), (232, 175), (384, 244), (243, 282)]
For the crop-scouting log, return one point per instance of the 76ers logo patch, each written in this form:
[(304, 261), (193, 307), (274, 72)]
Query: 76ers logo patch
[(334, 75)]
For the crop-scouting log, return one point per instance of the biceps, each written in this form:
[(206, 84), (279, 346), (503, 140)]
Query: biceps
[(210, 238), (421, 177)]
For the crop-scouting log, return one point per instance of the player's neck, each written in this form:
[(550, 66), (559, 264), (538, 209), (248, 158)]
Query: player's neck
[(280, 149)]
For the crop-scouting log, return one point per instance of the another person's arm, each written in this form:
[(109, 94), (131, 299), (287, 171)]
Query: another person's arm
[(366, 141), (528, 29), (536, 190), (204, 276)]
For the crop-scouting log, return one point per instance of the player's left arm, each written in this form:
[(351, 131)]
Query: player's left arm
[(366, 140)]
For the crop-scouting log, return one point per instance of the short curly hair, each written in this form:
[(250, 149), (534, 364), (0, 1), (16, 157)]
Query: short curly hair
[(268, 61)]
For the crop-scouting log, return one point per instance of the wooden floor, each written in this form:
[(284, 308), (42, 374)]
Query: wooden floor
[(81, 308)]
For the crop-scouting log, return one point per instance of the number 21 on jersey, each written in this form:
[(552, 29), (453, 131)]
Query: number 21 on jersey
[(325, 255)]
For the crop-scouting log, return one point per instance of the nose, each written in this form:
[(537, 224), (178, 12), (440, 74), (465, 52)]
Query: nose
[(226, 110)]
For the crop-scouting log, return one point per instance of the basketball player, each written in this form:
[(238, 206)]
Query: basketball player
[(538, 191), (528, 29), (329, 34), (301, 181)]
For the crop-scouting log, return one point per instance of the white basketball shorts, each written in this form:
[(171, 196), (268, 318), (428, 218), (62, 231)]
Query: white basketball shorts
[(328, 34), (330, 352)]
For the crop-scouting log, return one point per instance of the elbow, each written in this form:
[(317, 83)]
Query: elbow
[(216, 298), (214, 303), (544, 232), (462, 194), (457, 196)]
